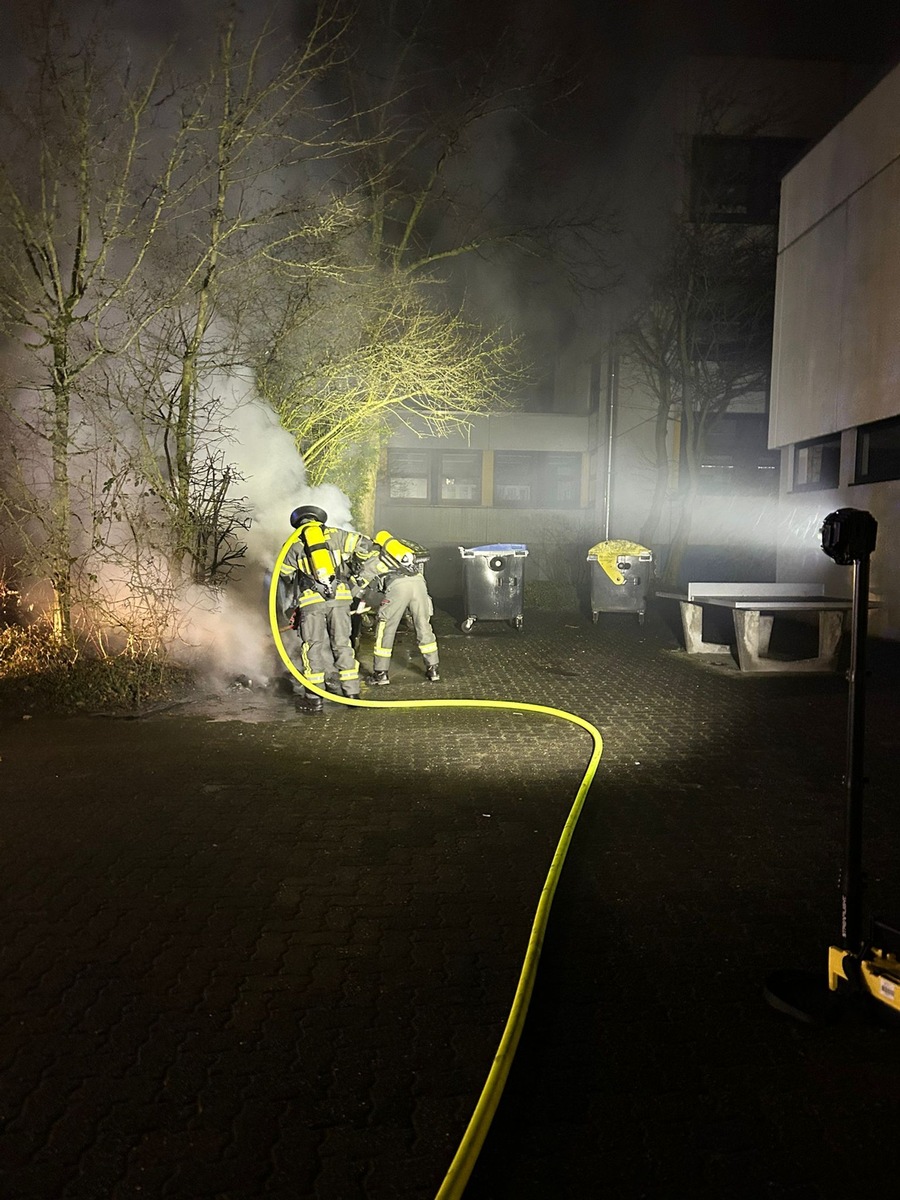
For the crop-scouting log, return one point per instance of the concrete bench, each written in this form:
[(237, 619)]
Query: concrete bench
[(754, 606)]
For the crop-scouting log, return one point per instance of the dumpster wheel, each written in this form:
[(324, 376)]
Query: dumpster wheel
[(466, 1156), (469, 623), (595, 617)]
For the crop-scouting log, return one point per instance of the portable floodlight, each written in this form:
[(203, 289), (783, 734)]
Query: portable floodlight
[(859, 966)]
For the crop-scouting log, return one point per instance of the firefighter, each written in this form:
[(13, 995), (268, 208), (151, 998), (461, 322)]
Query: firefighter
[(396, 571), (315, 593)]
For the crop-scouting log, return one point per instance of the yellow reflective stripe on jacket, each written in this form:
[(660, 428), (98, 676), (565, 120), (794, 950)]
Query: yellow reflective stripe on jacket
[(351, 542)]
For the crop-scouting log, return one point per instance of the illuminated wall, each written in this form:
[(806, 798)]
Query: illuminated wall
[(836, 352), (836, 358), (518, 477)]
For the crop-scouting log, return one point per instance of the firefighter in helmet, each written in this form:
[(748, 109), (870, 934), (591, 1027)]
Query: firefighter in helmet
[(314, 593), (396, 571)]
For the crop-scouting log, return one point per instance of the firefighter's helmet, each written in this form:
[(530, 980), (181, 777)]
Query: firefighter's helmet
[(308, 512)]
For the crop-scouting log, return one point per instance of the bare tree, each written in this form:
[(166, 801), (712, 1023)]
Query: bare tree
[(128, 208), (256, 222), (701, 341), (403, 338), (80, 214), (396, 359), (700, 336)]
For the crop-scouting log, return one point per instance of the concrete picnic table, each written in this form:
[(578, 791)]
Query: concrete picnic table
[(754, 606)]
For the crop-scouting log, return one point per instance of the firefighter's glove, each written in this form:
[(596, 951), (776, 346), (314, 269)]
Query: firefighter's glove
[(294, 622)]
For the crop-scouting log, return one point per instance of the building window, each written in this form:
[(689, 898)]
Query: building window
[(817, 464), (409, 475), (434, 476), (536, 479), (512, 479), (736, 457), (739, 178), (878, 451), (459, 477)]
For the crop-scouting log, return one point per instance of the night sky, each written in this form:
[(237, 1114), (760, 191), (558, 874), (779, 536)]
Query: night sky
[(619, 49), (612, 50), (598, 33), (610, 54)]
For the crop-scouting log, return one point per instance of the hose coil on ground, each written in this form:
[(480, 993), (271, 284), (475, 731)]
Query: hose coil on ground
[(466, 1156)]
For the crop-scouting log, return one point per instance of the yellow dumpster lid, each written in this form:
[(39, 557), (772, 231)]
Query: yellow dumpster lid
[(606, 553)]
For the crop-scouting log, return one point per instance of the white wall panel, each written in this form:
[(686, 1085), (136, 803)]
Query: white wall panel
[(853, 153), (871, 335), (807, 346), (836, 349)]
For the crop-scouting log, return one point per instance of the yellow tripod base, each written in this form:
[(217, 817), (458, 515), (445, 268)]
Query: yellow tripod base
[(877, 973)]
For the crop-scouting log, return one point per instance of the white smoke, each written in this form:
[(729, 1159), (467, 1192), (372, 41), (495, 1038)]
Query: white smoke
[(273, 475), (229, 634)]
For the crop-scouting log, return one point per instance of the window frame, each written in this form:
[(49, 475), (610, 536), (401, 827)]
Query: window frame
[(542, 484), (440, 473), (756, 182), (824, 481), (433, 476), (864, 432), (732, 462), (395, 452)]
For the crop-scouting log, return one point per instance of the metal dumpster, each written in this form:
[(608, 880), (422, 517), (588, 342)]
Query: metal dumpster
[(493, 583), (621, 575)]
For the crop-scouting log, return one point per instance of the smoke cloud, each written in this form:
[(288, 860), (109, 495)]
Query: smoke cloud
[(228, 634)]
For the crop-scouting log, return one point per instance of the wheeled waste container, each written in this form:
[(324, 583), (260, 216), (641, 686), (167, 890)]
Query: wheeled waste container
[(621, 575), (493, 583)]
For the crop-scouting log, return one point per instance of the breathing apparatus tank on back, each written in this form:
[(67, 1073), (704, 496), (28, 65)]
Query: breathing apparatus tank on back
[(405, 557), (310, 520)]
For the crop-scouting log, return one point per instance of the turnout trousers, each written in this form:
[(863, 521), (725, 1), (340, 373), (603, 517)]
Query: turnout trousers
[(325, 645), (402, 593)]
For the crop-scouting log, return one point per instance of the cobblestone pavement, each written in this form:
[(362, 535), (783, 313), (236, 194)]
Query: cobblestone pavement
[(248, 953)]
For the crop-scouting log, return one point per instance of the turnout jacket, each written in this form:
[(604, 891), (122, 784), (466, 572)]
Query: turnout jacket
[(319, 564), (390, 559)]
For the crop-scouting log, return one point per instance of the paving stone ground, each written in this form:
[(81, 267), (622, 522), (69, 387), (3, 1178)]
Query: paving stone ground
[(247, 953)]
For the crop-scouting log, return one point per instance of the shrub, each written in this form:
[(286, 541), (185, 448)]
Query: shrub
[(39, 671)]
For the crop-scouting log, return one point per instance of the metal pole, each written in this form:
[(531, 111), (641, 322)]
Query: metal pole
[(852, 878), (612, 388)]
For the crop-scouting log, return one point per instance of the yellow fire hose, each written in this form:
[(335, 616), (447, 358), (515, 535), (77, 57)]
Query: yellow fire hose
[(466, 1156)]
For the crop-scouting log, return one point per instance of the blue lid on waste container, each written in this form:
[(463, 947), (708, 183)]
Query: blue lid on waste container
[(518, 549)]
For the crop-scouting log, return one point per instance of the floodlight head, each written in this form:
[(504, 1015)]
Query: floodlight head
[(848, 535)]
